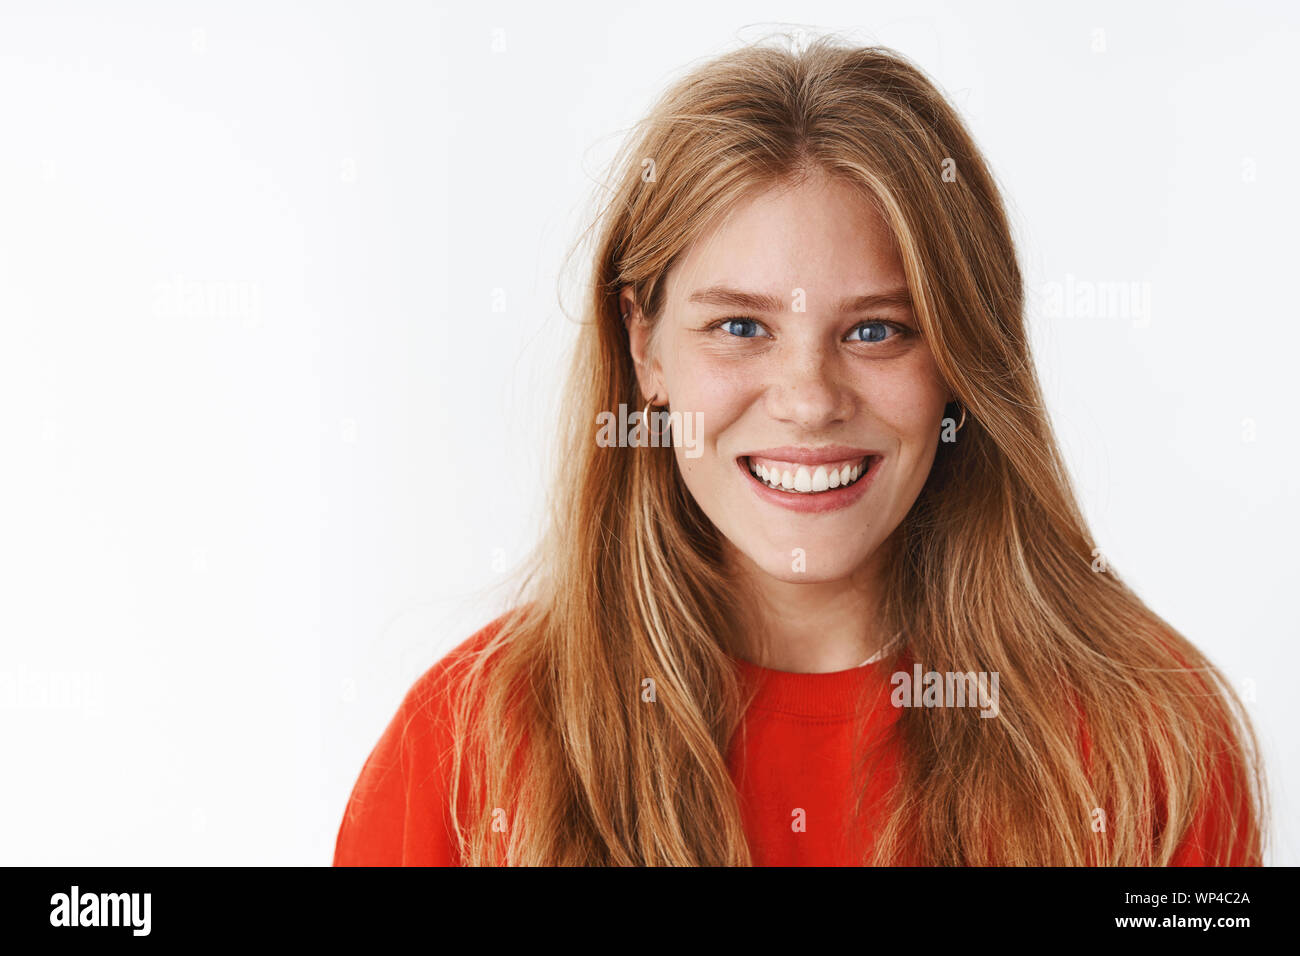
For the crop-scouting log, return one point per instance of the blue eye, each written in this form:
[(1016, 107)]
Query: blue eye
[(878, 330), (743, 323)]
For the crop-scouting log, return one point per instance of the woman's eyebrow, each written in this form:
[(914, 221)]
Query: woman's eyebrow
[(760, 302)]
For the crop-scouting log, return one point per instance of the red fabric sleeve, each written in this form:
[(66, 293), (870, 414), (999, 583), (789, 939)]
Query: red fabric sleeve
[(395, 815), (399, 810), (1225, 806)]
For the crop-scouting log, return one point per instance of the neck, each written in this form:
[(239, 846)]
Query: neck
[(809, 627)]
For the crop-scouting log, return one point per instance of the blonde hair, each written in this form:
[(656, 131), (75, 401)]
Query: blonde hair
[(1103, 704)]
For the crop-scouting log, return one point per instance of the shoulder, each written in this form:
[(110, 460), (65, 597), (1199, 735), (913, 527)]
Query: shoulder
[(398, 813), (1199, 754), (429, 701), (1225, 829), (1219, 786)]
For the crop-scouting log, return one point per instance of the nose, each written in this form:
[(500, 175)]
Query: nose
[(809, 392)]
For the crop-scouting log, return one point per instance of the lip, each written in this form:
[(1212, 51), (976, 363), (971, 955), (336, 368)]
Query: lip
[(822, 455), (834, 499)]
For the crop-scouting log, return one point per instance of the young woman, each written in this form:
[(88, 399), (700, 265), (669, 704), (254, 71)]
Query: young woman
[(846, 608)]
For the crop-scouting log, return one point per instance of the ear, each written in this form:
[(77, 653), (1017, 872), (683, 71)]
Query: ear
[(648, 371)]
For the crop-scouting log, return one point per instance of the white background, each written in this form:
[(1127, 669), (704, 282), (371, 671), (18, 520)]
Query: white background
[(282, 304)]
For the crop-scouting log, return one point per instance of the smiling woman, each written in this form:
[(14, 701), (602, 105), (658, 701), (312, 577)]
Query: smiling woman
[(699, 664), (831, 376)]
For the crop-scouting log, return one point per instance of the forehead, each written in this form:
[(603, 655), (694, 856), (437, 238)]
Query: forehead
[(821, 235)]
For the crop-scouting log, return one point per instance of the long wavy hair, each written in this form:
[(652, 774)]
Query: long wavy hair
[(1103, 704)]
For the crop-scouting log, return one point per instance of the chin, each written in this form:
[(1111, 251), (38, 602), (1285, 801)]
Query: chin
[(783, 568)]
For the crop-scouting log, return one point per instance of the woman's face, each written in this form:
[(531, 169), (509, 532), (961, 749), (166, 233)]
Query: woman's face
[(770, 340)]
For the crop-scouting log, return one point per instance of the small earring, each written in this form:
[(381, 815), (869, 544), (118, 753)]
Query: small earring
[(963, 416)]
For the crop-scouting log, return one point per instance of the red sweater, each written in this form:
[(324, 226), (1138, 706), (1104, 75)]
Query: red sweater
[(790, 760)]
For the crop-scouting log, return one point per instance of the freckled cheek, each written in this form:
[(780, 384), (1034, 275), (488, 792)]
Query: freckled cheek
[(717, 396), (908, 403), (716, 390)]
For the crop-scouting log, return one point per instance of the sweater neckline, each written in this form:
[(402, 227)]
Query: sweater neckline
[(831, 694)]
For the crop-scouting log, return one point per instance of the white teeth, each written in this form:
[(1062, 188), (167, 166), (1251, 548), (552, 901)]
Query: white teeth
[(805, 481)]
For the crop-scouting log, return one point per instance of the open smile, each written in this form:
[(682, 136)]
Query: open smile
[(810, 486)]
